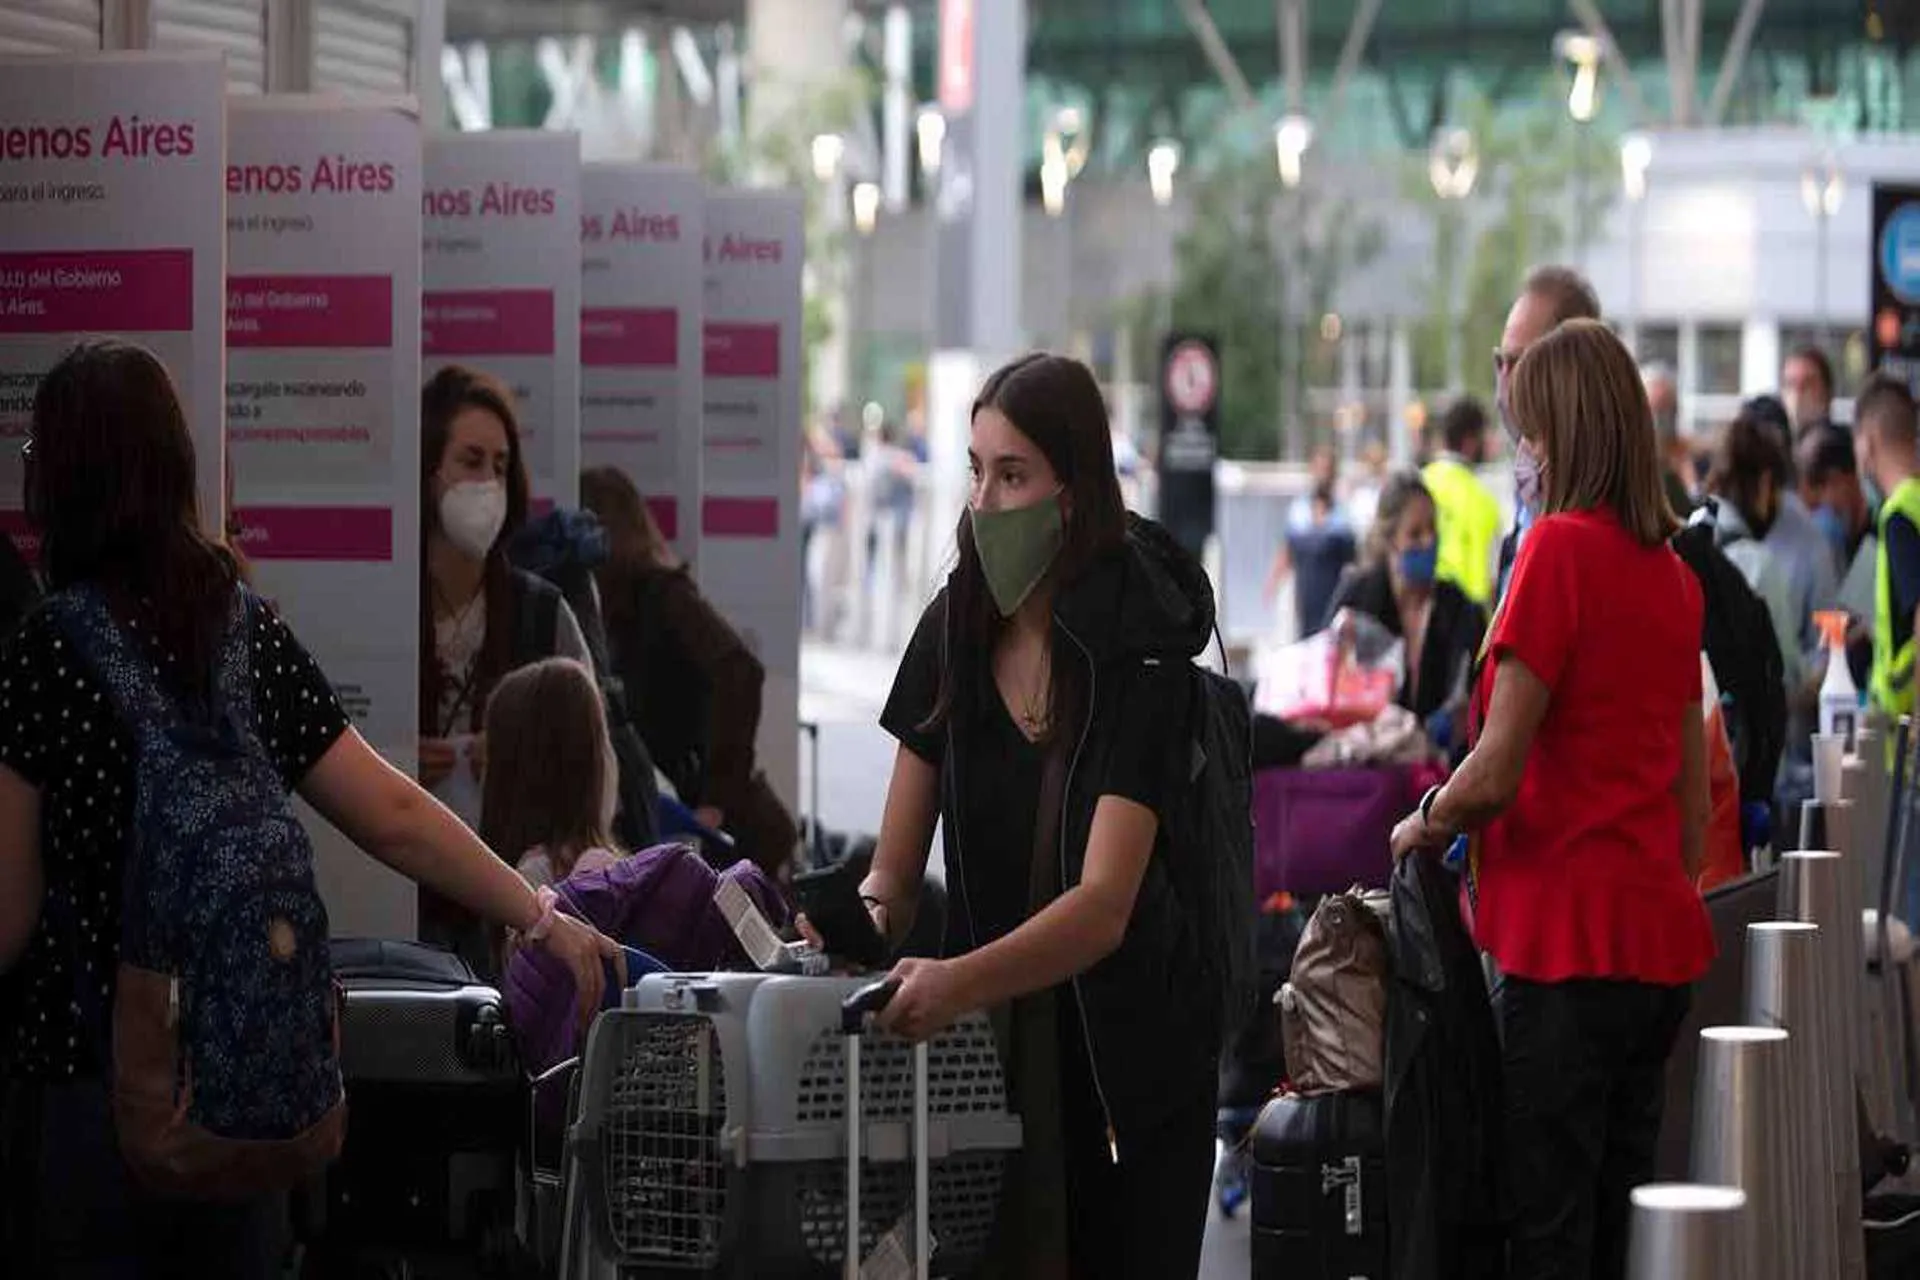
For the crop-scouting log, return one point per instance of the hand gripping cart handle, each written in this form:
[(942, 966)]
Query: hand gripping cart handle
[(854, 1012)]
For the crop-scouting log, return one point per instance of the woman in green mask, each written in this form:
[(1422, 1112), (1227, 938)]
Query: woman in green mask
[(1035, 712)]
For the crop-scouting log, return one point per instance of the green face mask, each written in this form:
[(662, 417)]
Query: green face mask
[(1016, 549)]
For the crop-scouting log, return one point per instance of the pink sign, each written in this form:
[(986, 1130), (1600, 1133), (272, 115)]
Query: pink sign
[(487, 322), (666, 514), (127, 291), (360, 534), (310, 311), (742, 350), (14, 525), (740, 517), (641, 337)]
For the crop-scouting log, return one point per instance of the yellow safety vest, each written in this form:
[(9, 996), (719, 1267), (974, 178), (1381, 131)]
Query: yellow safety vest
[(1892, 681), (1469, 522)]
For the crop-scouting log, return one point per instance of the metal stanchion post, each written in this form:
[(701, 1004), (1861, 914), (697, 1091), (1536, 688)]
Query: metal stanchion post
[(1870, 806), (1684, 1231), (1740, 1112), (1813, 889), (1835, 825), (1829, 752), (1782, 990)]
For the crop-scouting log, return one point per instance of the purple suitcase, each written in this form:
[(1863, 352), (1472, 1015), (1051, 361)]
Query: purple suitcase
[(1326, 830)]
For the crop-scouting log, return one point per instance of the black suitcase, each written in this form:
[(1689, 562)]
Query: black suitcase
[(435, 1116), (1319, 1188)]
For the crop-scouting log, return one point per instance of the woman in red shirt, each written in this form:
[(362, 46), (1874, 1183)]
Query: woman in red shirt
[(1585, 800)]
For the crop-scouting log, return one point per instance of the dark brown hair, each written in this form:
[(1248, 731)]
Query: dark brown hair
[(634, 540), (1054, 402), (110, 489), (1578, 392), (1747, 455), (447, 393), (1568, 293), (1886, 405), (548, 765)]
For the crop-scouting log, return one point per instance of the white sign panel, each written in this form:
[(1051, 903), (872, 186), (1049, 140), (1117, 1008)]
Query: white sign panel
[(750, 471), (501, 260), (640, 378), (110, 223), (323, 418)]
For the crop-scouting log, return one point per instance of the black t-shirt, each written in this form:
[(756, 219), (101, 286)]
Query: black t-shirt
[(59, 732), (1002, 769)]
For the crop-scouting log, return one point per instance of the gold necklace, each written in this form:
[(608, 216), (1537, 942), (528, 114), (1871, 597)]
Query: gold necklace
[(1035, 712)]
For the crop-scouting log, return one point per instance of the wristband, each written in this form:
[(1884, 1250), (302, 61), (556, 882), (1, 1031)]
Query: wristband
[(1426, 808), (546, 899)]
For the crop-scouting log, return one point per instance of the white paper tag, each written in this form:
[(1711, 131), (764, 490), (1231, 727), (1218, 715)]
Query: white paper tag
[(757, 938), (892, 1258)]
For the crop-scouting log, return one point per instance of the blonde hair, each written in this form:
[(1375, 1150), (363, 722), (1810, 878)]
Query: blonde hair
[(1577, 393)]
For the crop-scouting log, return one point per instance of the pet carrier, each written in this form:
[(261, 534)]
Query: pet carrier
[(712, 1134)]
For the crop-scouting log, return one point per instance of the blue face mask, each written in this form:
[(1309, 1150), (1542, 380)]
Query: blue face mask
[(1419, 565), (1829, 522)]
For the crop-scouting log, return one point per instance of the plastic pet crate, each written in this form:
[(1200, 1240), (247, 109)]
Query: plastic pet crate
[(711, 1134)]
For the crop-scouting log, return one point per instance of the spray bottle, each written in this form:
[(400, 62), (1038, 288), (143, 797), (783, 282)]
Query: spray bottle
[(1839, 697)]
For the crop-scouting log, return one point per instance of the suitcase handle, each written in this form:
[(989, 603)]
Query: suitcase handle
[(871, 998), (854, 1010)]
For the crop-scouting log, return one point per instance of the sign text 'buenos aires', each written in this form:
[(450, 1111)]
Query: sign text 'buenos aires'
[(495, 200)]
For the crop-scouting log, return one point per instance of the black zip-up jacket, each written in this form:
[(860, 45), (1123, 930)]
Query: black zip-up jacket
[(1446, 1179), (1136, 619)]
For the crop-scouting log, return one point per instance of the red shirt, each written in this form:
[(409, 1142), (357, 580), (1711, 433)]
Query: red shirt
[(1582, 876)]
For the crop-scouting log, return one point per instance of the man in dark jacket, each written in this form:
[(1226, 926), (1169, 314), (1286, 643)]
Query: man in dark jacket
[(1446, 1192)]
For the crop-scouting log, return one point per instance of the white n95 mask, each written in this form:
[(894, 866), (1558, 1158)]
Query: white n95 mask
[(471, 514)]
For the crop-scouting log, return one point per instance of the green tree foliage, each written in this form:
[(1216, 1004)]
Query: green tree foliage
[(1544, 186), (1256, 266)]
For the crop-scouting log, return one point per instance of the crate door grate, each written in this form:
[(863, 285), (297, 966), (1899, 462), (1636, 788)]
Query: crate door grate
[(665, 1167), (965, 1192), (963, 1076)]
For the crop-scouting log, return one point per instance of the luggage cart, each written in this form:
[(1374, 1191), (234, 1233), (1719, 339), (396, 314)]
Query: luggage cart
[(713, 1133)]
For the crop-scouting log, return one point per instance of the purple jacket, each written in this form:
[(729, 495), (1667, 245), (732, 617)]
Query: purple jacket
[(659, 900)]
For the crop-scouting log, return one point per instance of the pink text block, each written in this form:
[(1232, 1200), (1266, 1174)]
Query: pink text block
[(127, 291), (357, 534), (742, 350), (740, 517), (14, 525), (310, 311), (638, 337), (666, 514), (487, 322)]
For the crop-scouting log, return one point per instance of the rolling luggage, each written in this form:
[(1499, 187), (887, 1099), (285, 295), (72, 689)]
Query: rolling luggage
[(1325, 830), (426, 1181), (1318, 1169)]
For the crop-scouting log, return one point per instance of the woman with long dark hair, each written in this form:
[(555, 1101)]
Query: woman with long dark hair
[(691, 683), (1038, 711), (110, 489), (479, 616)]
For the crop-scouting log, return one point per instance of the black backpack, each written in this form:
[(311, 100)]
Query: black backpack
[(1211, 829), (1747, 662)]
